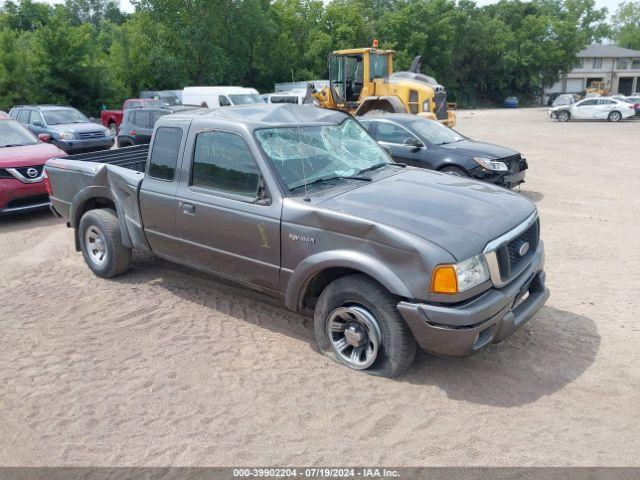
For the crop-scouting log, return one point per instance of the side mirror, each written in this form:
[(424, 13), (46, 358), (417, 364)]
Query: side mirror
[(92, 119), (38, 124), (45, 137), (413, 142), (262, 195)]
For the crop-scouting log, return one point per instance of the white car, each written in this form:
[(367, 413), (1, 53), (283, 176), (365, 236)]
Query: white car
[(593, 109), (214, 97)]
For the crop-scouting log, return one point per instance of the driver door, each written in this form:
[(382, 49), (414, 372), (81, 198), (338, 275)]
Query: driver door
[(585, 109), (226, 224)]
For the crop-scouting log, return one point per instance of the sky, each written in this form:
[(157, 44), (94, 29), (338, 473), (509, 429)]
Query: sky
[(612, 5)]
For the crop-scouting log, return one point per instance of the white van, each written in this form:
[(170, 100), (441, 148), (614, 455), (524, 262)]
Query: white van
[(220, 96)]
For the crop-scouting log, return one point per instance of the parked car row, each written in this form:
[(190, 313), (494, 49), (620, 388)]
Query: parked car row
[(387, 257)]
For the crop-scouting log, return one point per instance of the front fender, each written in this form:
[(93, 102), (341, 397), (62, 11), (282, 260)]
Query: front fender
[(314, 264)]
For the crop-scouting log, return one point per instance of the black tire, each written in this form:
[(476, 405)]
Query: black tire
[(453, 170), (563, 116), (117, 257), (614, 116), (124, 143), (396, 346)]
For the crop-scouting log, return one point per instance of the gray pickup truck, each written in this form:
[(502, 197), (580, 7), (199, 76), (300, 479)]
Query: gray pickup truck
[(302, 204)]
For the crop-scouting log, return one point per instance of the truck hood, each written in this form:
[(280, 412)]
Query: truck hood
[(28, 155), (458, 214), (474, 148), (77, 127)]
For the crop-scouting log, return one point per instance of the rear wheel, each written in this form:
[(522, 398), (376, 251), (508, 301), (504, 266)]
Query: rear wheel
[(615, 116), (101, 243), (122, 142), (563, 116), (452, 170), (357, 324)]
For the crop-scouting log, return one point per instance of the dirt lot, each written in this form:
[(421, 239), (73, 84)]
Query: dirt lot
[(162, 367)]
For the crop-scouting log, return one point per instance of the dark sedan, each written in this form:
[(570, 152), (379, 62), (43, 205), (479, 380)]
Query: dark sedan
[(428, 144)]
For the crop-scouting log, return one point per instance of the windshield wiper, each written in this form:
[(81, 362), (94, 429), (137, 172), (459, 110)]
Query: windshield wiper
[(327, 179), (373, 167)]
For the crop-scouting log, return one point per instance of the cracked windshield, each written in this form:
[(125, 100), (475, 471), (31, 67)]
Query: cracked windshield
[(305, 155)]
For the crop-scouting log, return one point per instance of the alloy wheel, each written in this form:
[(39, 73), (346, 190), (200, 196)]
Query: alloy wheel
[(354, 334)]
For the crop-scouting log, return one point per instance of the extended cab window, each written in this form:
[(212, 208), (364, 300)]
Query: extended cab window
[(223, 162), (164, 156)]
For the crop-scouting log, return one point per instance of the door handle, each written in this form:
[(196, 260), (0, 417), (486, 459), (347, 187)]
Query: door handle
[(188, 208)]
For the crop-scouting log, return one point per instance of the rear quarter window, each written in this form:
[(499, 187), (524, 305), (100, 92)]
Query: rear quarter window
[(164, 156)]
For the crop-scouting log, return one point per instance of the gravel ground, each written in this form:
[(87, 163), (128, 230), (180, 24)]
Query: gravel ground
[(166, 367)]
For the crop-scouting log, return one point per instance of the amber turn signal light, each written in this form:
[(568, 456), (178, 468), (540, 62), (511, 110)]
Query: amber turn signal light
[(444, 280)]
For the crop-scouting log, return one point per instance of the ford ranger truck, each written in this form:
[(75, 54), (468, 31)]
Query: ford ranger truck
[(302, 204)]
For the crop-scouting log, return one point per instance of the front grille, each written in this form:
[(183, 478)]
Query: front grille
[(90, 135), (5, 174), (514, 163), (440, 101), (27, 201), (510, 260)]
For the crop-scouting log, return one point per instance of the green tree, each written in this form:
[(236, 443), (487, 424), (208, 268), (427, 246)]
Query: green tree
[(626, 25)]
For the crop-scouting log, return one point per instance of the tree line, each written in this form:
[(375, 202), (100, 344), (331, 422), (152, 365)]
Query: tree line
[(87, 53)]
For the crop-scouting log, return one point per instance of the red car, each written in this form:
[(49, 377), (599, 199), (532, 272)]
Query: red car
[(113, 118), (22, 158)]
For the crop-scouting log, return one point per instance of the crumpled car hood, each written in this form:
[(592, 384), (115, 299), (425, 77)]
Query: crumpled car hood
[(474, 148), (458, 214)]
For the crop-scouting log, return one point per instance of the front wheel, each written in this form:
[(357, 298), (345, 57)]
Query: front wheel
[(101, 243), (357, 324), (563, 116), (615, 116)]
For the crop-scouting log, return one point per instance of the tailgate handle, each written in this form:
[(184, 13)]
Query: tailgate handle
[(188, 208)]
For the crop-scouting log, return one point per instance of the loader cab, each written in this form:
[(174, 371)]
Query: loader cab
[(352, 73)]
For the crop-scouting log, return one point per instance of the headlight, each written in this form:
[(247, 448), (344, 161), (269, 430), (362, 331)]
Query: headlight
[(491, 164), (426, 106), (459, 277), (67, 136)]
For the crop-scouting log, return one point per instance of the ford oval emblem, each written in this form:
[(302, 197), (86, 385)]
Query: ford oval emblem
[(32, 172), (524, 248)]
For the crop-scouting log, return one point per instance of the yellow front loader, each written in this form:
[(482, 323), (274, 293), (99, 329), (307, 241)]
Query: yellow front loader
[(362, 81)]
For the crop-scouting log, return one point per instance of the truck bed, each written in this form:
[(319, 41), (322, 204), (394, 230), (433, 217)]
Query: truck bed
[(112, 176), (133, 158)]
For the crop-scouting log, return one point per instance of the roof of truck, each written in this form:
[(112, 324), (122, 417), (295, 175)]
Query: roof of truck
[(269, 115)]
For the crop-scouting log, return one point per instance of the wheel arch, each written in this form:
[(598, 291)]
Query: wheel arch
[(388, 103), (315, 273), (93, 198)]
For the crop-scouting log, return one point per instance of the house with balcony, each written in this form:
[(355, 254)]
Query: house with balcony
[(618, 68)]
